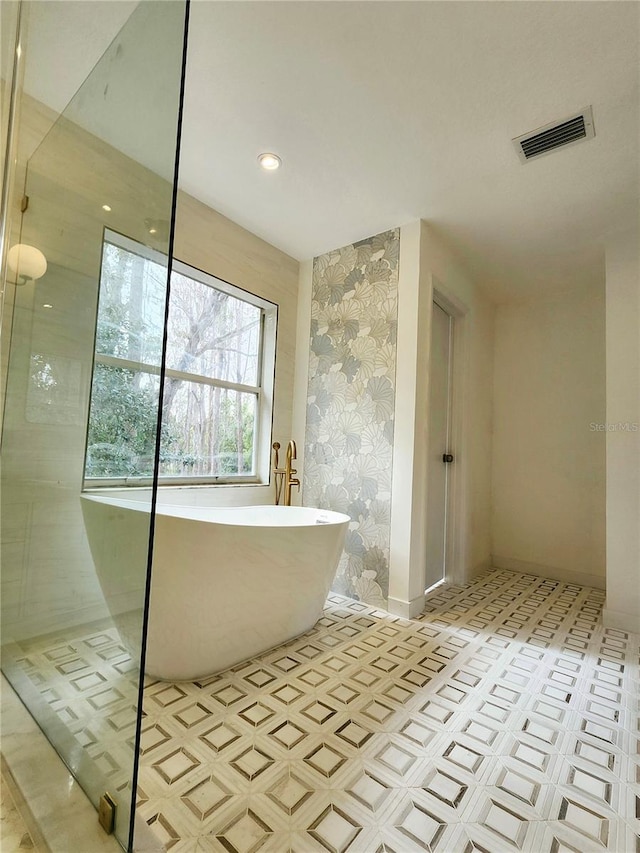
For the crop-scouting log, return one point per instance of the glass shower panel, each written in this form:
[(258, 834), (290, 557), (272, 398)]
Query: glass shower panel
[(106, 165)]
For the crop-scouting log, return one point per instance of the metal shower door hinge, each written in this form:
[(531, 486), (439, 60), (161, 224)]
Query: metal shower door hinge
[(107, 813)]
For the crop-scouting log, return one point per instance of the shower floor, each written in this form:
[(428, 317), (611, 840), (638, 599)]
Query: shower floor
[(504, 718)]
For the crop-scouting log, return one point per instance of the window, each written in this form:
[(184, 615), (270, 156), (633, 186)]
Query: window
[(216, 411)]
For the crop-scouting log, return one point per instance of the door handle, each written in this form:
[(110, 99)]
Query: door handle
[(447, 457)]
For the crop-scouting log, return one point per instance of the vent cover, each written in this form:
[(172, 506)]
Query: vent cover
[(569, 131)]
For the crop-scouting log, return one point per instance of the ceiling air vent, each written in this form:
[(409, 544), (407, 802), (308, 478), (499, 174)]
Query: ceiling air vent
[(556, 135)]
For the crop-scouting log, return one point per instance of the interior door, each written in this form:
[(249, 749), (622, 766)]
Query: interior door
[(439, 438)]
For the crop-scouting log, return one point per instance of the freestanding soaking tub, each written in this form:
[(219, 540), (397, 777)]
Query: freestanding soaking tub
[(227, 583)]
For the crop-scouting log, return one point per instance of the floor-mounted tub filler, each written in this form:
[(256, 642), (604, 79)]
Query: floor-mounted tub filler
[(227, 583)]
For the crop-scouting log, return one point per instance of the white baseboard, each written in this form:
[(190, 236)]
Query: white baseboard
[(621, 619), (406, 609), (553, 572)]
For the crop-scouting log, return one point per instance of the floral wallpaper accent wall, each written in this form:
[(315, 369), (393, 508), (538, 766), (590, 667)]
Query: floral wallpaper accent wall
[(350, 404)]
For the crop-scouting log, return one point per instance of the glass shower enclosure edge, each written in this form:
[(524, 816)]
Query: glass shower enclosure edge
[(69, 585)]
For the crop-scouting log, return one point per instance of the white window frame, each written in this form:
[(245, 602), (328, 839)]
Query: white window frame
[(263, 390)]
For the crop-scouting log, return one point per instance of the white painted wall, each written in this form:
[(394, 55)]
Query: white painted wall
[(623, 447), (427, 262), (549, 457)]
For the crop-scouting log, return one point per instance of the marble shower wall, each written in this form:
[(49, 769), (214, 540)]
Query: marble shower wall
[(350, 404)]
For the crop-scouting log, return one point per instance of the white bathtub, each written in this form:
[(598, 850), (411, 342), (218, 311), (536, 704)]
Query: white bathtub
[(227, 583)]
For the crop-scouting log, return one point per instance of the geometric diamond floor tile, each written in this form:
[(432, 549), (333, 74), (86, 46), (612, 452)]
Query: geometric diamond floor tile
[(445, 787), (309, 651), (245, 833), (167, 695), (318, 712), (400, 693), (415, 677), (596, 730), (228, 695), (590, 784), (335, 664), (384, 664), (176, 765), (369, 791), (335, 829), (152, 737), (504, 715), (288, 734), (560, 846), (251, 762), (584, 820), (285, 663), (479, 732), (596, 755), (436, 712), (530, 756), (313, 678), (417, 733), (256, 714), (401, 652), (343, 693), (259, 677), (353, 734), (220, 737), (289, 792), (192, 715), (453, 694), (498, 691), (105, 698), (325, 759), (395, 757), (85, 682), (556, 693), (419, 825), (540, 731), (163, 830), (106, 763), (548, 710), (464, 757), (518, 786), (205, 797), (377, 711), (505, 823), (606, 712)]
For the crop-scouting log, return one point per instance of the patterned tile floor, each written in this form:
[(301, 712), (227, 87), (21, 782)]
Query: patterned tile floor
[(505, 718)]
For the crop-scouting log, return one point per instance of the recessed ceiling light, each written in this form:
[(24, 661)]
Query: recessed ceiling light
[(47, 305), (106, 207), (153, 230), (269, 161)]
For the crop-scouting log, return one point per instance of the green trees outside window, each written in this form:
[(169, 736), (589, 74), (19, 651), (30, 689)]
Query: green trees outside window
[(212, 383)]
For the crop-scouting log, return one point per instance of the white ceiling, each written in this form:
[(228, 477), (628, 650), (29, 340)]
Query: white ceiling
[(65, 41), (384, 112)]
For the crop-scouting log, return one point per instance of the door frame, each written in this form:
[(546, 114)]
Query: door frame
[(456, 534), (439, 413)]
